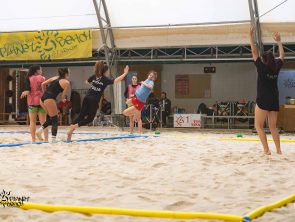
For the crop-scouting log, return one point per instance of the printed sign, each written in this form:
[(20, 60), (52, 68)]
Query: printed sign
[(286, 85), (187, 120), (46, 45)]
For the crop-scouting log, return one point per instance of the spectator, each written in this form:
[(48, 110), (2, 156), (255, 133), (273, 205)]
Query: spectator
[(166, 107), (129, 94)]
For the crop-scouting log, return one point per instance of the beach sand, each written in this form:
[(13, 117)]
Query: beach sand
[(177, 171)]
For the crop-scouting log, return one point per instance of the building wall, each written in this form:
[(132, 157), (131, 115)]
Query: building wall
[(78, 75), (232, 81)]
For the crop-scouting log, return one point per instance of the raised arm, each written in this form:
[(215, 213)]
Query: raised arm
[(253, 44), (121, 77), (277, 38), (47, 82)]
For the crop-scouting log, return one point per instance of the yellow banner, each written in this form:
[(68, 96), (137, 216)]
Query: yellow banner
[(46, 45)]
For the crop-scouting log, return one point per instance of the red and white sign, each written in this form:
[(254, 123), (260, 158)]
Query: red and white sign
[(187, 120)]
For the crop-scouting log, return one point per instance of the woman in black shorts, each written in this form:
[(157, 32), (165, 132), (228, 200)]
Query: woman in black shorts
[(58, 84), (98, 82), (267, 101)]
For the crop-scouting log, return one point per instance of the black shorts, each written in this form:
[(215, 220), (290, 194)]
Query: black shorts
[(47, 96), (268, 104)]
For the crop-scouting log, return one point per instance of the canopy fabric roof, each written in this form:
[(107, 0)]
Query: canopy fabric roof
[(128, 17)]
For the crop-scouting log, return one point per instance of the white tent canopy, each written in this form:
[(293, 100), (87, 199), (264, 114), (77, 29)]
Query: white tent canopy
[(129, 19), (20, 15)]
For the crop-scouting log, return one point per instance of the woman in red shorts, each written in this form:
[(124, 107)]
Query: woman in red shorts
[(139, 99)]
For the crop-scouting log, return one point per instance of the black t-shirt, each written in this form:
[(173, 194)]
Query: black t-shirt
[(98, 85), (267, 85), (167, 105)]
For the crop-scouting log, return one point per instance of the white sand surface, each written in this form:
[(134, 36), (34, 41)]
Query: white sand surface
[(177, 171)]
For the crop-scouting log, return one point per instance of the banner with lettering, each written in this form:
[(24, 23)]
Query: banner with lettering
[(286, 85), (46, 45)]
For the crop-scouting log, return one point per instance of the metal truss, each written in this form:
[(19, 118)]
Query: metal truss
[(182, 54), (167, 55), (254, 15), (107, 49)]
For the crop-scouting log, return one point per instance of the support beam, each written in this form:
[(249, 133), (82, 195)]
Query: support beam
[(109, 51), (254, 14), (107, 37)]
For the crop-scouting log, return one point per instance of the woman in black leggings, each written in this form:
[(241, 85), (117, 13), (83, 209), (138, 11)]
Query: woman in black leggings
[(98, 83), (58, 84)]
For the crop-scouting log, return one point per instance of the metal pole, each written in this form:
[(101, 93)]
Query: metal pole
[(102, 31), (108, 45), (151, 117), (258, 28), (161, 115), (107, 17), (17, 75), (3, 110), (10, 87), (254, 14)]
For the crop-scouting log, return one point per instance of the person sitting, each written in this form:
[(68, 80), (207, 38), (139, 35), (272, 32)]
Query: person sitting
[(203, 109)]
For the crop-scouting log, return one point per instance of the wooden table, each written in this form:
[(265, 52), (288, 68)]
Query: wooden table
[(286, 118)]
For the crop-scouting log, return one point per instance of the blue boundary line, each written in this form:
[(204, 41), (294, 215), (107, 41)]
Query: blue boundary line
[(128, 136), (82, 133)]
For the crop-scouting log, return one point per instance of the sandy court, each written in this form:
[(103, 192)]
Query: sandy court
[(191, 171)]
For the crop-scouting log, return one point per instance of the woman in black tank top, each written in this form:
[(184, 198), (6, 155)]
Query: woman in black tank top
[(267, 101), (58, 84), (52, 91)]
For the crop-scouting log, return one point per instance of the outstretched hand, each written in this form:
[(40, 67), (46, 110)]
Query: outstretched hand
[(126, 69), (24, 94), (277, 37)]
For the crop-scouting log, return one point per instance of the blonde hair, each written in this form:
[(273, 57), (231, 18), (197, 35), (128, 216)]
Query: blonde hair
[(154, 73)]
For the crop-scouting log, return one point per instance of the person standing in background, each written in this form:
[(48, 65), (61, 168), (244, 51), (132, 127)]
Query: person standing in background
[(137, 103), (129, 93), (166, 107), (33, 92)]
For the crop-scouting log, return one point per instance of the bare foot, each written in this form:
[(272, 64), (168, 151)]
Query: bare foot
[(39, 134), (70, 133), (279, 152), (267, 152)]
